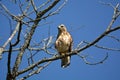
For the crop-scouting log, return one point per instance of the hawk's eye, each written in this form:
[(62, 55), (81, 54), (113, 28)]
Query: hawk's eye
[(62, 26)]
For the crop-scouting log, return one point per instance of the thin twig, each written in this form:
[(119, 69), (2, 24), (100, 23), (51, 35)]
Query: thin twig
[(13, 34), (18, 36), (33, 5), (36, 71), (5, 8), (40, 6), (95, 63), (113, 37), (115, 15), (102, 47), (56, 11)]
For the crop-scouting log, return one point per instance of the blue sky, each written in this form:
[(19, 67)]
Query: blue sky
[(85, 19)]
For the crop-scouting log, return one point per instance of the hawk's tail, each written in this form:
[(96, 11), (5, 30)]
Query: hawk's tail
[(65, 61)]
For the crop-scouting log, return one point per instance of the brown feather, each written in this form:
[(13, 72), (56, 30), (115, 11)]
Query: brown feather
[(63, 44)]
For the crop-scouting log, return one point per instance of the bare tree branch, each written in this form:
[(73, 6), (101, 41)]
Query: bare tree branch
[(33, 5), (36, 71), (113, 37), (9, 75), (102, 47), (55, 12), (13, 34), (10, 38), (97, 39), (90, 63), (32, 48), (76, 51), (6, 10), (40, 6), (115, 15), (29, 36)]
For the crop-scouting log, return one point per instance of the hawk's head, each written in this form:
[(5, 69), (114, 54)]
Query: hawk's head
[(62, 28)]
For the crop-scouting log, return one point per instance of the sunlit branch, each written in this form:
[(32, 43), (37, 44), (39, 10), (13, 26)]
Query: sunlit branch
[(31, 47), (56, 11), (98, 39), (33, 5), (10, 38), (13, 34), (76, 51), (29, 37), (36, 71), (5, 9), (115, 16), (20, 6), (44, 4), (27, 8)]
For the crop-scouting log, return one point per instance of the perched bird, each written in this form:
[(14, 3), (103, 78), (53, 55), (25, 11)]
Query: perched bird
[(63, 44)]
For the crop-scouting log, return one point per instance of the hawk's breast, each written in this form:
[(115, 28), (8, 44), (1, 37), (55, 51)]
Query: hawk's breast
[(63, 43)]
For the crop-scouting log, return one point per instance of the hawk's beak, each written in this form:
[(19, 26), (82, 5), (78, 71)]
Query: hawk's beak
[(62, 25), (59, 27)]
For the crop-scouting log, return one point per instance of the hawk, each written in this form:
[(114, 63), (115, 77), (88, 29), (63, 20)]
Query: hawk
[(63, 44)]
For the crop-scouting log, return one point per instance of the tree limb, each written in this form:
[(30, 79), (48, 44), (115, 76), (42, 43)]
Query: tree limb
[(74, 52), (28, 38)]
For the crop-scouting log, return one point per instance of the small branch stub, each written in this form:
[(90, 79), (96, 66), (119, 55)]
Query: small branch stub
[(1, 51)]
